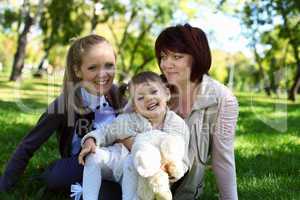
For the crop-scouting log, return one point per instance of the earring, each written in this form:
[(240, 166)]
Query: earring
[(169, 98), (78, 74)]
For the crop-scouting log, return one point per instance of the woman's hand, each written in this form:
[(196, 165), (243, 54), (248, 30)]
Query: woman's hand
[(89, 146), (127, 142)]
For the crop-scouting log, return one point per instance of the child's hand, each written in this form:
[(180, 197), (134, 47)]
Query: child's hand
[(89, 146), (127, 142)]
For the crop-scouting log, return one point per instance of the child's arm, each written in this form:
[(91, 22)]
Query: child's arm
[(121, 128), (128, 142)]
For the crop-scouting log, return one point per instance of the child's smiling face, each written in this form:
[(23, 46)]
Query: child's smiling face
[(150, 100)]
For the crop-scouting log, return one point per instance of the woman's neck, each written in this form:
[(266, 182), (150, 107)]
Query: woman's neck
[(186, 97)]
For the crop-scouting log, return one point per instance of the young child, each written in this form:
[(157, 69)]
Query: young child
[(89, 99), (149, 98)]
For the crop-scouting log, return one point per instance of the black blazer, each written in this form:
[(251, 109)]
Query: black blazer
[(53, 120)]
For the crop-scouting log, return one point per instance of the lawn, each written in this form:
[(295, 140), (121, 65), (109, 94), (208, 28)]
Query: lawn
[(267, 146)]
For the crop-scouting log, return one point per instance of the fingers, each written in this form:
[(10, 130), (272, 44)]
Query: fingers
[(80, 160), (93, 148), (85, 151), (89, 147), (90, 143)]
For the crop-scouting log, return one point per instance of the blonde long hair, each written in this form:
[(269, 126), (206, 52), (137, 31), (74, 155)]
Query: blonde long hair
[(72, 97)]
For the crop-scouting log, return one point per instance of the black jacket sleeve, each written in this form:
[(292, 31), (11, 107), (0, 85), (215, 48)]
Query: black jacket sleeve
[(49, 122)]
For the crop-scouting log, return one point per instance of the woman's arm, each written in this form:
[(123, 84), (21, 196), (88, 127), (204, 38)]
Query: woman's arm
[(223, 163), (45, 127)]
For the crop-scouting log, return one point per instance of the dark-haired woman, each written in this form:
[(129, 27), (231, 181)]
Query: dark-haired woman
[(208, 107)]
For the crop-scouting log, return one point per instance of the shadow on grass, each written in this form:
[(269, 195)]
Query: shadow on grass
[(57, 85), (28, 105)]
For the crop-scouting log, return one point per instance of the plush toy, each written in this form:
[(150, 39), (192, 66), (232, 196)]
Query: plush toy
[(158, 159)]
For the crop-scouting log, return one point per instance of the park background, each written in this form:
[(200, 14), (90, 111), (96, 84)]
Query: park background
[(255, 49)]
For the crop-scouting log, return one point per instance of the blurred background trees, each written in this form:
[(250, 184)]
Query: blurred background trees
[(35, 34)]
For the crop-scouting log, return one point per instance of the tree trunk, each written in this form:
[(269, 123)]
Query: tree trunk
[(296, 84), (40, 70), (264, 84), (293, 41), (19, 57)]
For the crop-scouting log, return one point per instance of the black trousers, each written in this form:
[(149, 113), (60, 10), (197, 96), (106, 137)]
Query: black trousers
[(64, 172)]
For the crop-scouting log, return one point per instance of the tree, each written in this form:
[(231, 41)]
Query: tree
[(289, 24), (277, 58), (290, 12), (61, 22), (134, 41), (253, 19), (27, 20)]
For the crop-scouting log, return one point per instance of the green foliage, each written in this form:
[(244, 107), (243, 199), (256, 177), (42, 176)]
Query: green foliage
[(219, 69), (61, 21), (8, 17), (131, 30), (7, 46), (132, 33), (274, 27)]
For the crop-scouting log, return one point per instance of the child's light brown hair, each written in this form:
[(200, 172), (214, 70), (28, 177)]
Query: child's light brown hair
[(143, 77)]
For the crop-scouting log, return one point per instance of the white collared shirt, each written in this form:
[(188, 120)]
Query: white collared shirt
[(104, 114)]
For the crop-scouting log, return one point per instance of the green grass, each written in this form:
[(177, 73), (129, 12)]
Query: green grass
[(267, 150), (267, 145)]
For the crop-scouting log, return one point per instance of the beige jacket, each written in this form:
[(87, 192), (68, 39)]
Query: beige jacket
[(212, 125), (130, 124)]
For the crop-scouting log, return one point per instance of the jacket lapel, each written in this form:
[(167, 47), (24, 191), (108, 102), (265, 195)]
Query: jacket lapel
[(206, 95)]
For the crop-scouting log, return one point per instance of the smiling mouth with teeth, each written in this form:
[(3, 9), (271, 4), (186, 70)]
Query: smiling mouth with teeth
[(102, 82), (152, 106)]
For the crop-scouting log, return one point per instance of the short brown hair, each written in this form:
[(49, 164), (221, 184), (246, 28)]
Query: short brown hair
[(186, 39)]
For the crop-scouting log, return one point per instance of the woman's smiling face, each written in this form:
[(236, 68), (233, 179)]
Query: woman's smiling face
[(97, 70)]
